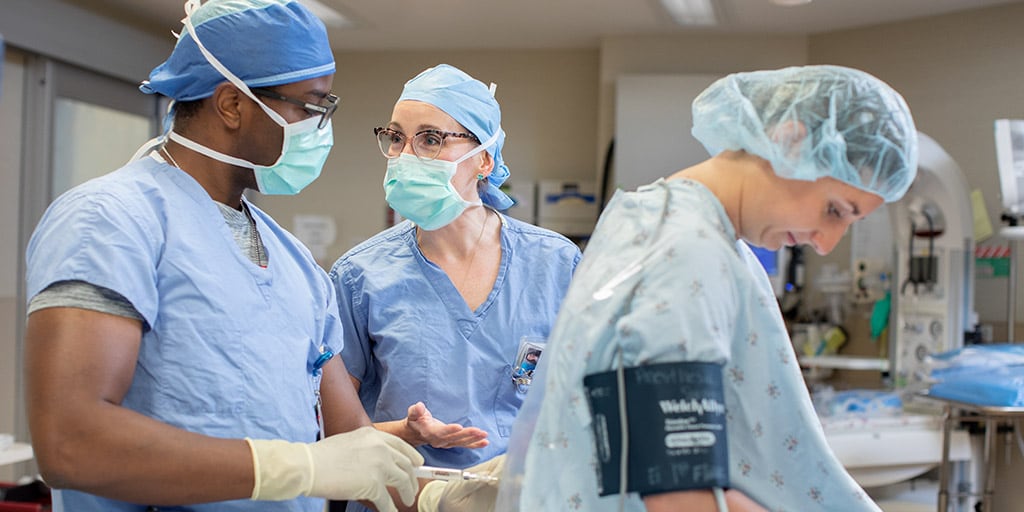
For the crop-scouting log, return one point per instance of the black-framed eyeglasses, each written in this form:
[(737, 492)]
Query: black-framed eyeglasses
[(426, 145), (324, 111)]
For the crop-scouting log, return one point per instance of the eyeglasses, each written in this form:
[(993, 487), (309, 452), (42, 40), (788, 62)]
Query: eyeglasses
[(426, 144), (325, 111)]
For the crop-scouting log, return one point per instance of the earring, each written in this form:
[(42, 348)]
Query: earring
[(480, 177)]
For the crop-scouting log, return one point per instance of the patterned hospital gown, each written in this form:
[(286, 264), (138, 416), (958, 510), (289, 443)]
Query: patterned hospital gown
[(665, 279)]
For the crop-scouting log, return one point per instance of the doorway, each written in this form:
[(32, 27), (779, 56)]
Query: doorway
[(66, 126)]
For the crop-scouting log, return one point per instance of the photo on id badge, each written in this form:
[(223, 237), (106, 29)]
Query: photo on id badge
[(530, 348)]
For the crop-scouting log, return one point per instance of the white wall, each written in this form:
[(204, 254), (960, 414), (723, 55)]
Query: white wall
[(652, 127), (63, 31), (688, 54)]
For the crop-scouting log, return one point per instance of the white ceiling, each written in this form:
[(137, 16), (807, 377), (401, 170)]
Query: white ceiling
[(467, 24)]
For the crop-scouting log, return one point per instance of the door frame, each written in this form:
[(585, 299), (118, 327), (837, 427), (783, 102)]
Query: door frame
[(46, 80)]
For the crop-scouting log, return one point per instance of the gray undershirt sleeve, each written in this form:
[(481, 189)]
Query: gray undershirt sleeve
[(83, 295)]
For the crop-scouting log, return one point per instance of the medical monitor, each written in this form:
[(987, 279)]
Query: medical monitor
[(774, 263), (1009, 135)]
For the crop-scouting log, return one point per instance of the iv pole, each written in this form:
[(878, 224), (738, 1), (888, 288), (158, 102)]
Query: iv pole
[(1010, 157), (1014, 234)]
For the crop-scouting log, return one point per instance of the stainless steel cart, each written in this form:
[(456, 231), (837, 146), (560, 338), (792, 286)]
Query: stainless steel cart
[(989, 417)]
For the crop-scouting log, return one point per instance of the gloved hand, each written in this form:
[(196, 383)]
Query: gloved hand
[(357, 465), (465, 495)]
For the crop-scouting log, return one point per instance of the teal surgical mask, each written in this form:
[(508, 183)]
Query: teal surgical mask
[(422, 191), (304, 147)]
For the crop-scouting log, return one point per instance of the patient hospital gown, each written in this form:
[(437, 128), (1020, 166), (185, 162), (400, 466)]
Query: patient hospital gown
[(664, 279)]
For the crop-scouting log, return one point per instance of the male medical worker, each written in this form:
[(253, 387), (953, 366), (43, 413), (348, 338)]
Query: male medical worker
[(179, 348)]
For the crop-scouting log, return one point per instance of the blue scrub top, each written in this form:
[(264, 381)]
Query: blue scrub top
[(410, 336), (665, 280), (228, 347)]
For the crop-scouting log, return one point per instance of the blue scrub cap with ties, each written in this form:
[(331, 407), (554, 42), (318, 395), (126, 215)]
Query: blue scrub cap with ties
[(263, 42), (812, 122), (472, 104)]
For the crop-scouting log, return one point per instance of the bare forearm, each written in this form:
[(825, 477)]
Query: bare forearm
[(696, 501), (699, 501), (114, 452), (346, 392), (342, 410), (79, 365), (401, 429)]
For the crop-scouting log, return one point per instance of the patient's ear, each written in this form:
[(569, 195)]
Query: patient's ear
[(788, 133)]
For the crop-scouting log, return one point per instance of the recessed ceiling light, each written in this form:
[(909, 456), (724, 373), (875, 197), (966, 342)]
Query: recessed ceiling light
[(329, 16), (690, 12), (790, 3)]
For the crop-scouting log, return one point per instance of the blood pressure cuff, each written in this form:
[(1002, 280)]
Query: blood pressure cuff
[(675, 420)]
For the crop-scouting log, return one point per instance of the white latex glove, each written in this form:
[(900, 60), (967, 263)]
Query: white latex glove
[(357, 465), (464, 495)]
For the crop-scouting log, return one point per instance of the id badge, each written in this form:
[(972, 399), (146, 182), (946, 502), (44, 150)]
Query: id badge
[(527, 357)]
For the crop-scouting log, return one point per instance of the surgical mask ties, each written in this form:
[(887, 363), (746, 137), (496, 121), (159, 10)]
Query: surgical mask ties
[(304, 151), (422, 191)]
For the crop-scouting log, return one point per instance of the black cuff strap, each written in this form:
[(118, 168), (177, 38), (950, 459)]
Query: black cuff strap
[(675, 427)]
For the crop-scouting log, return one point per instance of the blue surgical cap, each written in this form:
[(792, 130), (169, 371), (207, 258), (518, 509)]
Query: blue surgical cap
[(263, 42), (813, 122), (472, 104)]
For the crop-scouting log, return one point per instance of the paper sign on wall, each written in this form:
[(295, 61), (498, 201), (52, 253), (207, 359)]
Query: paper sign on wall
[(317, 232)]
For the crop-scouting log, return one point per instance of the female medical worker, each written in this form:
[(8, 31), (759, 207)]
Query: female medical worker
[(435, 309), (670, 292)]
